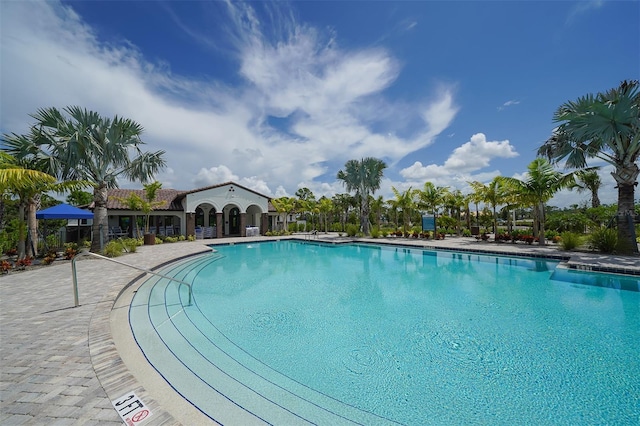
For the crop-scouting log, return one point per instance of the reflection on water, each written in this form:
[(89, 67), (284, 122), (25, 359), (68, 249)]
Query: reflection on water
[(619, 282)]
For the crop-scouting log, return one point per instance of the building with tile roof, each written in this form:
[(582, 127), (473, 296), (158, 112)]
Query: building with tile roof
[(216, 211)]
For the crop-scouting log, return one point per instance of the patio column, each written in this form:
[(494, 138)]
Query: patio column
[(191, 224), (219, 224), (243, 224), (264, 223)]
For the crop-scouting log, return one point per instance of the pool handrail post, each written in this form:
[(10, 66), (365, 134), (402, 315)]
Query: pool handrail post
[(74, 274)]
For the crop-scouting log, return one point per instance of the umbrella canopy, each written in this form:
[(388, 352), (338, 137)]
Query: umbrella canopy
[(64, 211)]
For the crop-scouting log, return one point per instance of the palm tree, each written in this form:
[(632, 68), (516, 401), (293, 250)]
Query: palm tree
[(27, 185), (539, 187), (493, 194), (325, 206), (364, 178), (86, 146), (588, 180), (306, 204), (343, 202), (455, 201), (377, 208), (604, 126), (404, 201), (286, 205), (431, 198)]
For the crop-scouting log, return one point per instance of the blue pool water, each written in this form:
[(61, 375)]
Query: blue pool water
[(332, 334)]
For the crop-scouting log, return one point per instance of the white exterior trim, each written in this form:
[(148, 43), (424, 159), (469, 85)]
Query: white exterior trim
[(225, 195)]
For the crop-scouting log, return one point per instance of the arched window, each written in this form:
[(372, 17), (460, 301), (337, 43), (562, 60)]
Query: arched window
[(234, 221), (199, 217)]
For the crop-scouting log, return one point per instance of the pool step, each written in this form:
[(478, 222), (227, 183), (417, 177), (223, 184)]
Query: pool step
[(206, 357)]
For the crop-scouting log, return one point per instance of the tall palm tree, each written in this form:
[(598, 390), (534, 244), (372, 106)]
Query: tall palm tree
[(364, 177), (82, 145), (588, 180), (541, 184), (604, 126), (493, 194), (431, 197)]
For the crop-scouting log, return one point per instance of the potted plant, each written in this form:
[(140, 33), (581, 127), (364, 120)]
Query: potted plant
[(146, 205)]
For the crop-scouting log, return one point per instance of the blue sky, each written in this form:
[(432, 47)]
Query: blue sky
[(278, 96)]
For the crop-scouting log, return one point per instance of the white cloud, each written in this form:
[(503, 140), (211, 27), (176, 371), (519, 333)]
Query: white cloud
[(508, 104), (581, 8), (50, 57), (213, 175), (477, 153), (474, 155)]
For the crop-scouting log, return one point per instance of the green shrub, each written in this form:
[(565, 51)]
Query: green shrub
[(181, 237), (466, 232), (375, 232), (570, 240), (130, 244), (352, 230), (158, 240), (384, 232), (113, 249), (191, 238), (604, 240), (549, 234)]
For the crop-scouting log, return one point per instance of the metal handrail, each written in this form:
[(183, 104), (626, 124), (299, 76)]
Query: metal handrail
[(74, 274)]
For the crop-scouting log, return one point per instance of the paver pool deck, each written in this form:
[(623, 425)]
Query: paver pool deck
[(60, 365)]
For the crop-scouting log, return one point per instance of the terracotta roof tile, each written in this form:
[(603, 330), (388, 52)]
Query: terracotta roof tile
[(171, 198)]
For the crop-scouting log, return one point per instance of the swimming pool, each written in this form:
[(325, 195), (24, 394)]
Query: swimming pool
[(291, 333)]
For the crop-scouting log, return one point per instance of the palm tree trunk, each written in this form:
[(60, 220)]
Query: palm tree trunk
[(32, 226), (100, 229), (364, 218), (595, 199), (540, 208), (22, 235), (626, 230)]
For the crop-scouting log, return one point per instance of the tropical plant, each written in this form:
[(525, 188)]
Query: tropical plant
[(113, 248), (285, 205), (27, 185), (604, 126), (147, 204), (86, 146), (364, 177), (342, 203), (570, 240), (325, 206), (405, 202), (588, 180), (493, 194), (352, 230), (431, 197), (79, 198), (540, 185), (604, 240), (377, 209), (455, 201)]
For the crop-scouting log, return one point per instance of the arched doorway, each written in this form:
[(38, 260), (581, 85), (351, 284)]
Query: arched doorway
[(234, 221)]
